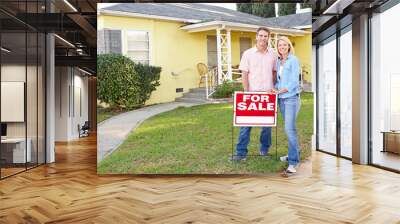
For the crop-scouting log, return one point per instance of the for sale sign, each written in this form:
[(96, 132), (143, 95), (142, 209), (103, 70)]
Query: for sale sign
[(255, 109)]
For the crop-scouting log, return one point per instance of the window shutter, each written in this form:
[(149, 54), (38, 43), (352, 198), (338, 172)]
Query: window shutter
[(101, 47), (115, 45), (109, 41)]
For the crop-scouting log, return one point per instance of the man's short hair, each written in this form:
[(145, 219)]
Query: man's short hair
[(263, 28)]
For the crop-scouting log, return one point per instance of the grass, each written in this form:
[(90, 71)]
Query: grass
[(105, 113), (197, 140)]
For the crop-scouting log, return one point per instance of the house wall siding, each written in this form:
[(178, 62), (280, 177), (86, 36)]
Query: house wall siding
[(303, 50), (174, 50), (178, 52)]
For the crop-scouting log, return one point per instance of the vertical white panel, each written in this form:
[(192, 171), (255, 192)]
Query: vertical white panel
[(12, 101), (50, 110), (346, 94)]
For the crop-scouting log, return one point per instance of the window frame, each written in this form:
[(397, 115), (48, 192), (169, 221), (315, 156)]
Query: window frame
[(333, 33), (125, 46)]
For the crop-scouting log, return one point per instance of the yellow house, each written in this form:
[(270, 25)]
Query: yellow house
[(179, 36)]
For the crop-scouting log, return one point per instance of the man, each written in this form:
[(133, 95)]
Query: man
[(258, 67)]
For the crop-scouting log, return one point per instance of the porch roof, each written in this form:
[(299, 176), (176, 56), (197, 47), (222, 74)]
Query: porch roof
[(233, 26)]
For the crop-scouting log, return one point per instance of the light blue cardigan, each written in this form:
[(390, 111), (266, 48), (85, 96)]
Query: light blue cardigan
[(289, 78)]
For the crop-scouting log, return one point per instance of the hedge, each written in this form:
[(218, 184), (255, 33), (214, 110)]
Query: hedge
[(124, 84)]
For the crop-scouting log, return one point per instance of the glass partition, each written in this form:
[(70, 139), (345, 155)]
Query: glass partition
[(385, 89), (327, 95), (14, 152), (22, 77), (346, 92), (31, 98), (41, 91)]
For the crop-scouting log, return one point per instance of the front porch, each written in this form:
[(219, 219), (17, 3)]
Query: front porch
[(223, 58)]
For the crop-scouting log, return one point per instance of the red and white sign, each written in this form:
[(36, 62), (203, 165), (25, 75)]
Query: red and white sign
[(255, 109)]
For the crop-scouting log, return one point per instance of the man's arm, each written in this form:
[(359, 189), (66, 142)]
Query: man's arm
[(274, 76), (245, 81), (274, 79)]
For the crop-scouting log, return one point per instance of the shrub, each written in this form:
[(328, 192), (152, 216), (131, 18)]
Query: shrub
[(226, 89), (122, 83)]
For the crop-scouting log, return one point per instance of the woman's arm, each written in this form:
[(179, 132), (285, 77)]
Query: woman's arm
[(293, 77), (293, 84)]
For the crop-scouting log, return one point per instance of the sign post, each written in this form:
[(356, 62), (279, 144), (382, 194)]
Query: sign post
[(255, 109)]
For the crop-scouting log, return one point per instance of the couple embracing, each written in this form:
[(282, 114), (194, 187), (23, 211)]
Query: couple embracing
[(264, 70)]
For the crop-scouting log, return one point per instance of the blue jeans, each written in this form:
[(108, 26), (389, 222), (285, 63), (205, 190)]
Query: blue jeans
[(244, 139), (289, 108)]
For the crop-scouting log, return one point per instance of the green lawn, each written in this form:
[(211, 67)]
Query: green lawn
[(197, 140), (105, 113)]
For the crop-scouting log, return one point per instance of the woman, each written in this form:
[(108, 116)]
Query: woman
[(288, 90)]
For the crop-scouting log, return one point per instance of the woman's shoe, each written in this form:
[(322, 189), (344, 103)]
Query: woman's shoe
[(291, 169)]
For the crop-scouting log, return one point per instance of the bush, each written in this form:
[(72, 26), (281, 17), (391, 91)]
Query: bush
[(122, 83), (226, 89)]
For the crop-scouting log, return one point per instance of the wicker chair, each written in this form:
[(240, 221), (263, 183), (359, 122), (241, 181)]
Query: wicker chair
[(203, 70)]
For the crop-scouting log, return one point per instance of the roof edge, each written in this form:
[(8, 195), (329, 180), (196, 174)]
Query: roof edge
[(199, 27), (140, 15)]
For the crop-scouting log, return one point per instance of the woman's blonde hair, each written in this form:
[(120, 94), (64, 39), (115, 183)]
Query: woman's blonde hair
[(285, 39)]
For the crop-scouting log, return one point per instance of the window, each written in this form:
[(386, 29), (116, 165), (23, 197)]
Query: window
[(134, 44), (346, 93), (245, 43), (137, 43), (385, 89), (394, 101), (109, 41), (327, 95), (212, 54)]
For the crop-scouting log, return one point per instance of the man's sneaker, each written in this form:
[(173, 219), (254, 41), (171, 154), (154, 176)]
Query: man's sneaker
[(284, 158), (291, 169), (237, 158), (264, 154)]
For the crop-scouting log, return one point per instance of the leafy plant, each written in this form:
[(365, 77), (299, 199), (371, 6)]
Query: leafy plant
[(226, 89), (122, 83)]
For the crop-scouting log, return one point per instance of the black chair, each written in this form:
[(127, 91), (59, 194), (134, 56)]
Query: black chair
[(84, 130)]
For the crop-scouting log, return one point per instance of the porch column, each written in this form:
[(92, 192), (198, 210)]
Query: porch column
[(273, 40), (224, 55), (229, 56), (219, 56)]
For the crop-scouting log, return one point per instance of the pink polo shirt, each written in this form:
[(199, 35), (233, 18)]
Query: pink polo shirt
[(260, 67)]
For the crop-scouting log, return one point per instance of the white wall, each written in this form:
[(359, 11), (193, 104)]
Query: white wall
[(14, 72), (70, 83), (62, 81), (80, 85), (33, 125)]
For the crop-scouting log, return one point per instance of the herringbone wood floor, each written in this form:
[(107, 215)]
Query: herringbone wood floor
[(69, 191)]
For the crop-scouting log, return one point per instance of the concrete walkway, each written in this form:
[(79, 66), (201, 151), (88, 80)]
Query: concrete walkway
[(113, 131)]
